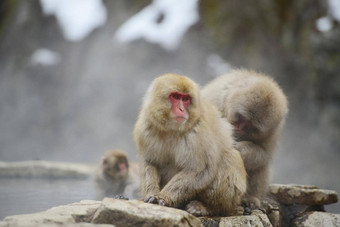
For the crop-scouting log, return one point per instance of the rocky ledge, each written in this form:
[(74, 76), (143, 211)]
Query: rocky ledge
[(45, 169), (297, 205)]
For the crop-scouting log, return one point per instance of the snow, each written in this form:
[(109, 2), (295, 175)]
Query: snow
[(45, 57), (324, 24), (163, 22), (77, 18), (334, 9)]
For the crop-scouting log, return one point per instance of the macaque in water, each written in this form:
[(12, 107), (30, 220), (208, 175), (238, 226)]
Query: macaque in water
[(256, 107), (115, 176), (185, 150)]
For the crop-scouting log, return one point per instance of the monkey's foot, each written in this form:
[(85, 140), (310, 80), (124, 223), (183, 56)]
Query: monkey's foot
[(197, 209), (121, 197), (247, 211), (151, 199), (250, 203)]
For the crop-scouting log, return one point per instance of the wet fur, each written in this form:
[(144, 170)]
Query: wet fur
[(110, 184)]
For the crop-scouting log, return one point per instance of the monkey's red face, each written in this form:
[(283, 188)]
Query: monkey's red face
[(115, 168), (241, 125), (180, 103), (121, 166)]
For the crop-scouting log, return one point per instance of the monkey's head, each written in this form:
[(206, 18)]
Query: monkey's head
[(172, 102), (255, 111), (115, 164)]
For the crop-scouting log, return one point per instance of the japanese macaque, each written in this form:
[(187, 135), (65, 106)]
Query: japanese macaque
[(185, 150), (256, 107), (115, 176)]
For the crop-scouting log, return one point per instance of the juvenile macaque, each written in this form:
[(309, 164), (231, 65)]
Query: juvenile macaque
[(115, 176), (185, 150), (256, 107)]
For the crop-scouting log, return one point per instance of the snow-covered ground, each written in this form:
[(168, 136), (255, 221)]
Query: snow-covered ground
[(324, 24), (163, 22), (45, 57), (77, 18)]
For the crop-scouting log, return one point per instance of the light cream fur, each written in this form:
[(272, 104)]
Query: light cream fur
[(189, 161), (259, 99)]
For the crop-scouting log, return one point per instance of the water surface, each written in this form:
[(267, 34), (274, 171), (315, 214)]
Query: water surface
[(30, 195)]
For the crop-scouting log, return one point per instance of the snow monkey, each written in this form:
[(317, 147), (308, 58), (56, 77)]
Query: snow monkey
[(185, 150), (116, 176), (256, 107)]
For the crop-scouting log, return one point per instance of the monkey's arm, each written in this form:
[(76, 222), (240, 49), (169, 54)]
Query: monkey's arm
[(254, 156), (150, 181), (184, 185), (132, 187)]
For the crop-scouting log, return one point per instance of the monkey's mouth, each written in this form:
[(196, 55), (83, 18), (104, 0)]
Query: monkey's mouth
[(236, 129), (180, 119)]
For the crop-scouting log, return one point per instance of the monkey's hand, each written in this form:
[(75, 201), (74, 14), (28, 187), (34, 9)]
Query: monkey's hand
[(164, 200), (155, 199), (253, 155), (151, 199), (240, 146), (197, 208)]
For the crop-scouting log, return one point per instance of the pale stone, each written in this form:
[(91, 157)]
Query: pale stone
[(316, 218), (45, 169), (83, 224), (68, 214), (110, 212), (138, 213), (302, 194), (257, 218), (275, 218), (273, 211)]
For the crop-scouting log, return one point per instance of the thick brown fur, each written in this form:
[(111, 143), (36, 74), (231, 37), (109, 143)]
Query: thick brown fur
[(190, 164), (111, 182), (261, 101)]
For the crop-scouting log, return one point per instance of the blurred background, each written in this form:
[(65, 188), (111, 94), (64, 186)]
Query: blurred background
[(73, 74)]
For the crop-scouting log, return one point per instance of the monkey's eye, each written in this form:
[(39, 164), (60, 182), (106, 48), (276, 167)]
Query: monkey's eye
[(176, 96), (185, 98)]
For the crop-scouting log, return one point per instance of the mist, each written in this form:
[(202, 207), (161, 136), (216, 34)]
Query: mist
[(71, 96)]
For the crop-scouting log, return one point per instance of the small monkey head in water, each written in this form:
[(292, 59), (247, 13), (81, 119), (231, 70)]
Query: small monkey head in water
[(114, 164)]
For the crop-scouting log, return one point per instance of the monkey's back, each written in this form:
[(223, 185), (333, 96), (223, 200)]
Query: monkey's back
[(250, 93)]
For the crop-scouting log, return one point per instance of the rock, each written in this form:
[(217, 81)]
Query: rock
[(83, 224), (275, 218), (289, 212), (67, 214), (45, 169), (138, 213), (257, 218), (302, 194), (120, 212), (273, 210), (317, 218)]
